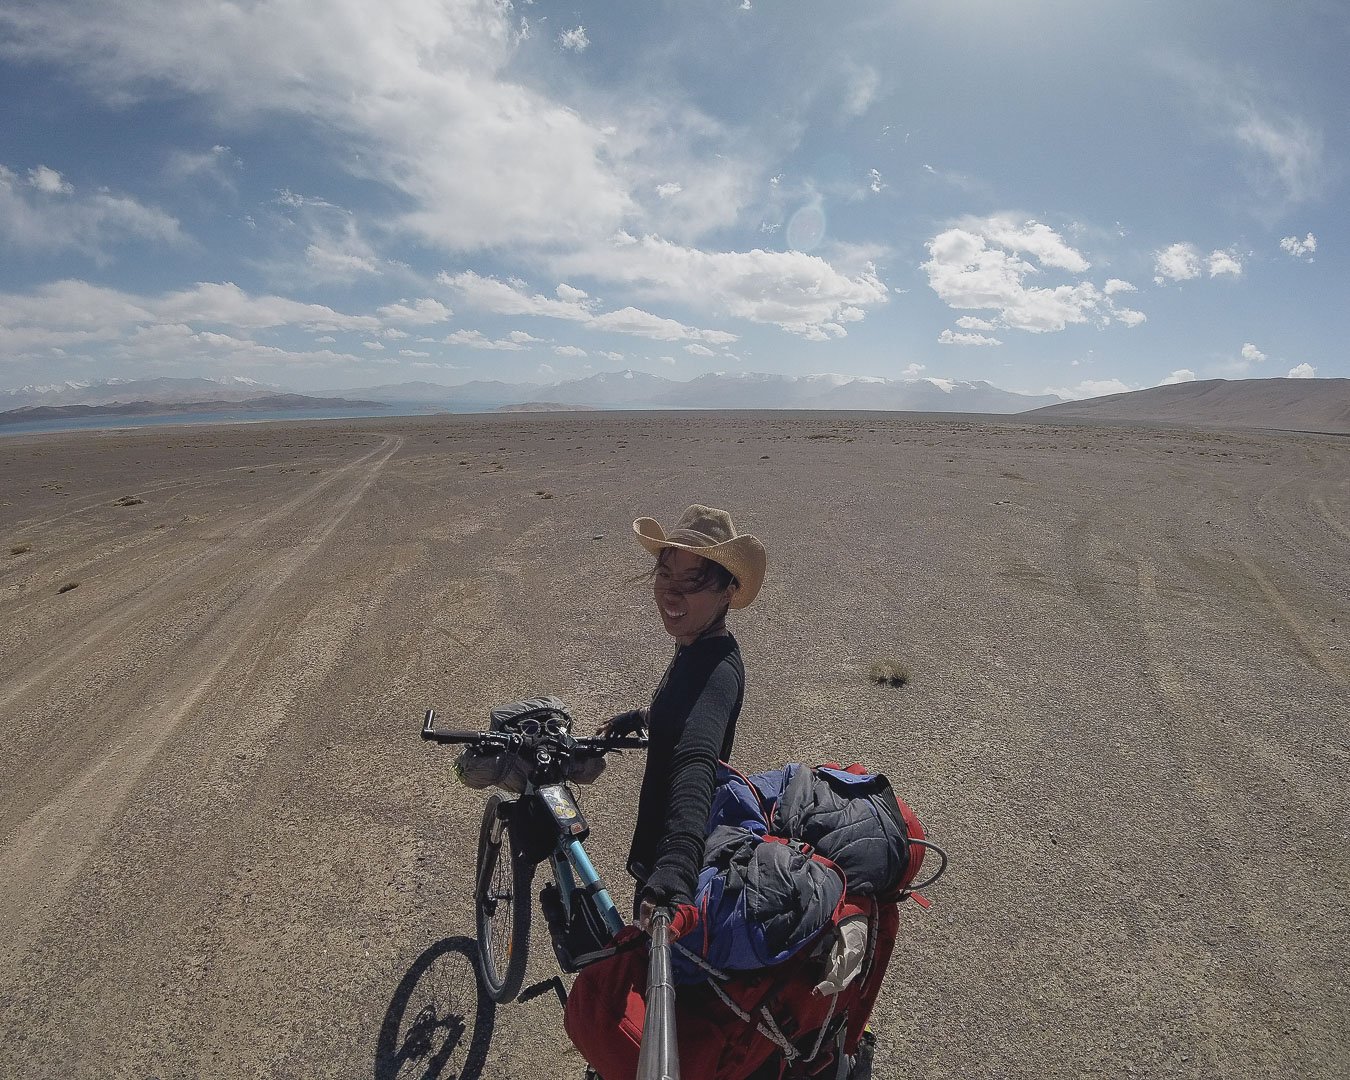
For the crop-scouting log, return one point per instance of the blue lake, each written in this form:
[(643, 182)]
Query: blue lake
[(241, 416)]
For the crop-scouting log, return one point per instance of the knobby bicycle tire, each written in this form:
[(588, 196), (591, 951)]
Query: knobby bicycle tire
[(502, 906)]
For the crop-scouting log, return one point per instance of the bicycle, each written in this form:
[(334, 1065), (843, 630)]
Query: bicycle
[(544, 822)]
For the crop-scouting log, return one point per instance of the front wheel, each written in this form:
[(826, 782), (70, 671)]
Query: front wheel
[(502, 903)]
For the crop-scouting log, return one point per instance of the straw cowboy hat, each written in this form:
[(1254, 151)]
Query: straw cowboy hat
[(710, 533)]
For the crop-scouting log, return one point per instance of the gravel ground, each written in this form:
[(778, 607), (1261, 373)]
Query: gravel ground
[(224, 851)]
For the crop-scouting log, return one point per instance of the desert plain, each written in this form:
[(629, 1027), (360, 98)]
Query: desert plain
[(225, 852)]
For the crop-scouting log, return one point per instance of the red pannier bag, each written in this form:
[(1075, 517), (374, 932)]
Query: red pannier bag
[(605, 1011), (769, 1008)]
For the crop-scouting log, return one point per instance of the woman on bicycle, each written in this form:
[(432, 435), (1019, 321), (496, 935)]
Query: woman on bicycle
[(703, 568)]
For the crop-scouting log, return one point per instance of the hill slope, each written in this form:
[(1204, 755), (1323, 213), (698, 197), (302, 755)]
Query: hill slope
[(1289, 404)]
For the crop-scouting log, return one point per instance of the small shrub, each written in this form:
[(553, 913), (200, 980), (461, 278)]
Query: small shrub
[(889, 673), (129, 500), (21, 549), (68, 586)]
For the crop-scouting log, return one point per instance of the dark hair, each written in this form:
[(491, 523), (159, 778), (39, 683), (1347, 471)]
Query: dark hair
[(711, 575)]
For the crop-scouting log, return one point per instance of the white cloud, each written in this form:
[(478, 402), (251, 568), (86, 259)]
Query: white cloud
[(1290, 147), (668, 190), (631, 320), (978, 264), (1035, 239), (399, 91), (502, 298), (801, 293), (566, 292), (876, 185), (97, 323), (574, 39), (522, 338), (413, 353), (1284, 151), (1252, 354), (218, 164), (1183, 262), (327, 339), (1128, 316), (328, 264), (49, 181), (699, 350), (861, 92), (489, 294), (393, 334), (568, 350), (1181, 375), (373, 346), (92, 323), (1176, 262), (1302, 371), (1224, 262), (1115, 285), (615, 357), (418, 312), (1300, 249), (46, 214), (1089, 388), (951, 337), (969, 322), (475, 339), (226, 304), (912, 372)]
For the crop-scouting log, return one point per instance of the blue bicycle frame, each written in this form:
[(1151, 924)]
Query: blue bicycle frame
[(570, 862)]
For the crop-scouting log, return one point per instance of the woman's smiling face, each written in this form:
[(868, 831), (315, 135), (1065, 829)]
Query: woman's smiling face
[(688, 608)]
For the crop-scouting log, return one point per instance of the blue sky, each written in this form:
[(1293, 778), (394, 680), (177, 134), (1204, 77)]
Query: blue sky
[(1077, 197)]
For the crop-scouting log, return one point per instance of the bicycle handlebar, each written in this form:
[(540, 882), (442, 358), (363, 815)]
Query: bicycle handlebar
[(511, 740)]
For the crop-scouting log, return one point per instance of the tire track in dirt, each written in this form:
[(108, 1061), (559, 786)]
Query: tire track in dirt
[(159, 593), (50, 846), (1303, 639), (1222, 772), (101, 500), (1177, 691), (1320, 505)]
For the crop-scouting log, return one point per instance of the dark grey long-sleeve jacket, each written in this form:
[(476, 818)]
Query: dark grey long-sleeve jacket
[(692, 726)]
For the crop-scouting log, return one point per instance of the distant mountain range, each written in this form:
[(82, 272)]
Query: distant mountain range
[(122, 391), (639, 390), (606, 390), (1298, 404), (1287, 404)]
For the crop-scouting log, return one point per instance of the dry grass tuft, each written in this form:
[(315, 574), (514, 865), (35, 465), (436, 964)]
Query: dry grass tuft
[(889, 673), (68, 586), (21, 549), (129, 500)]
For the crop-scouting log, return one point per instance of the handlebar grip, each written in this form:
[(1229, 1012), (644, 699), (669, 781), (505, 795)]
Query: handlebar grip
[(454, 736), (429, 731)]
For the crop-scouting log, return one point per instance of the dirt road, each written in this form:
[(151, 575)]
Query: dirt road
[(224, 852)]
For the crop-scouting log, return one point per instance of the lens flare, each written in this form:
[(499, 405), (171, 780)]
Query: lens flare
[(806, 228)]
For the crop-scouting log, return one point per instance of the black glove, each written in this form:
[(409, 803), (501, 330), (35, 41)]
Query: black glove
[(634, 721)]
